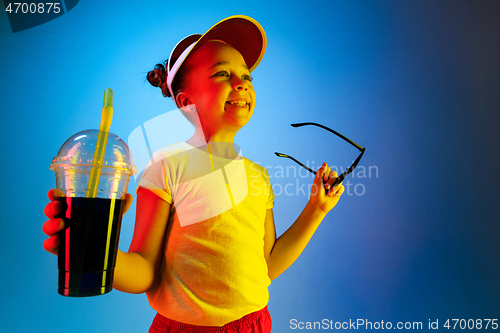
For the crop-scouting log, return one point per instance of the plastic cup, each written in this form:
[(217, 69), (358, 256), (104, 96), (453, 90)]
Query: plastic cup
[(89, 244)]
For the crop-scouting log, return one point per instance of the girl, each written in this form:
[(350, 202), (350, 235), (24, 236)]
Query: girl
[(204, 247)]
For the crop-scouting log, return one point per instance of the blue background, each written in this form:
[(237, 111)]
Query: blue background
[(416, 82)]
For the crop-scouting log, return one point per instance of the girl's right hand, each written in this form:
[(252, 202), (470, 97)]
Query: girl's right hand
[(54, 224)]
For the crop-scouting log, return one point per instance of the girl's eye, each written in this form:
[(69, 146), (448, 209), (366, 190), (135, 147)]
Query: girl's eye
[(226, 74), (221, 73)]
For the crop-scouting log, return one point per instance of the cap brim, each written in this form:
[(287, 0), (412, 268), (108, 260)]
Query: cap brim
[(241, 32), (180, 48)]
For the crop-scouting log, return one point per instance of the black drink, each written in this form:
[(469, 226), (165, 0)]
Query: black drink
[(89, 244)]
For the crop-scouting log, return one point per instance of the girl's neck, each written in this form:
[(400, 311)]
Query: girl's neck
[(218, 144)]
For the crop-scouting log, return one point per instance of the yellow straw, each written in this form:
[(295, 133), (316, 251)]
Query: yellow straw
[(100, 148)]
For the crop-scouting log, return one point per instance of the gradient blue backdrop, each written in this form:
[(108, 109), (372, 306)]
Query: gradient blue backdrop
[(416, 82)]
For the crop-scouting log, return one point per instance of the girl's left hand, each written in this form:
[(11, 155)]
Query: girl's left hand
[(323, 195)]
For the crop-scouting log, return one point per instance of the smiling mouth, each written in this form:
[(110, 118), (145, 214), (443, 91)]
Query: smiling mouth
[(237, 102)]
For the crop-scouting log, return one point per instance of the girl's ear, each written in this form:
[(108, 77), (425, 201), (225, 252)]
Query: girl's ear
[(182, 100), (185, 103)]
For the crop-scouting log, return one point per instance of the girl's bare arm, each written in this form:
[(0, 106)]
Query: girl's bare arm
[(281, 253), (136, 270)]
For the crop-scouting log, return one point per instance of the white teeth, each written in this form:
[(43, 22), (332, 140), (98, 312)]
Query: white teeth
[(239, 103)]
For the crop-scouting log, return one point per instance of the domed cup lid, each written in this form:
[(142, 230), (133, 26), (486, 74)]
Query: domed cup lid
[(79, 150)]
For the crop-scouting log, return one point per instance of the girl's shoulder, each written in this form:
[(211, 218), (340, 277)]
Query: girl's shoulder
[(172, 150), (255, 168)]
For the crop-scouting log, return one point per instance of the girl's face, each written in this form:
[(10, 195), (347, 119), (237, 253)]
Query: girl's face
[(219, 84)]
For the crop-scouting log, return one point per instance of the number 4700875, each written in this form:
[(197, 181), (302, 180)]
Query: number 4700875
[(471, 324), (40, 8)]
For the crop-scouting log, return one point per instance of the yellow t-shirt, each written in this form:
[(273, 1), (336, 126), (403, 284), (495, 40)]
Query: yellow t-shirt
[(213, 270)]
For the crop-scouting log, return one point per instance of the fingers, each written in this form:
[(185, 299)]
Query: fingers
[(322, 173), (53, 226), (54, 194), (53, 209), (52, 244), (332, 177), (128, 202), (336, 191), (326, 173), (327, 176)]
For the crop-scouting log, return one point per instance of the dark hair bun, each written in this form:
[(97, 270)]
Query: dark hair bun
[(158, 78)]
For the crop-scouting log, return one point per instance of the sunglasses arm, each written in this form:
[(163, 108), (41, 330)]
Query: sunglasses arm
[(293, 159), (337, 181), (348, 171)]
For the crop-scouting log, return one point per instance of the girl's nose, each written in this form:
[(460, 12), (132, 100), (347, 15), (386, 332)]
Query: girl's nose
[(240, 84)]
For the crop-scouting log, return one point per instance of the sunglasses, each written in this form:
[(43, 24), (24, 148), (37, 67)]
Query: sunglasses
[(345, 173)]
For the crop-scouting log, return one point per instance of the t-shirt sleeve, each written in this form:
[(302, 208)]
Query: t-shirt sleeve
[(155, 178), (269, 189)]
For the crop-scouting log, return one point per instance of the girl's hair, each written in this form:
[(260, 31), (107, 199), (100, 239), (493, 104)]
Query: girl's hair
[(158, 78)]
